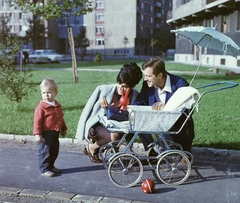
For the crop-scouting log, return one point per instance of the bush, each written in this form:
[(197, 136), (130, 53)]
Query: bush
[(13, 83), (98, 58)]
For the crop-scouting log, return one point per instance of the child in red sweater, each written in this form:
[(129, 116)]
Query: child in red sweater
[(48, 124)]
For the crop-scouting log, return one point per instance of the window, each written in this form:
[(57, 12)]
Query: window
[(62, 21), (222, 61), (99, 4), (99, 42), (238, 62), (99, 29), (158, 15), (24, 15), (142, 31), (12, 28), (225, 24), (158, 4), (209, 23), (100, 17), (170, 5)]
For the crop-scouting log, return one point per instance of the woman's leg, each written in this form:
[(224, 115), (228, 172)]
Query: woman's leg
[(103, 137)]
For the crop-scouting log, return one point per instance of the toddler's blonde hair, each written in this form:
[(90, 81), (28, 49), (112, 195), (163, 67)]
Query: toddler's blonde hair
[(49, 82)]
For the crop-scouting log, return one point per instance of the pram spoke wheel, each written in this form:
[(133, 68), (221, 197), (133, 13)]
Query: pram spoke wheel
[(173, 168), (109, 149), (125, 170), (151, 152), (189, 156)]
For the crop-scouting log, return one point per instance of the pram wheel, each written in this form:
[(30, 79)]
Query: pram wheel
[(161, 148), (189, 156), (173, 168), (109, 149), (125, 170)]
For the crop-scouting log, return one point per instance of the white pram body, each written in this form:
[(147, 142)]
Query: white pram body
[(172, 164)]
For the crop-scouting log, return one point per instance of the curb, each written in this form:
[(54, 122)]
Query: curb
[(203, 150), (58, 196), (71, 197)]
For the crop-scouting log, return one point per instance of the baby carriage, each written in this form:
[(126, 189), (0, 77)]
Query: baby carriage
[(172, 165)]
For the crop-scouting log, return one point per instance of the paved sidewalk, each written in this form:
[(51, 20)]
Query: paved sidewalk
[(83, 181)]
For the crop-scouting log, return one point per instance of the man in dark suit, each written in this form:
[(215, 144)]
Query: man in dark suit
[(157, 88)]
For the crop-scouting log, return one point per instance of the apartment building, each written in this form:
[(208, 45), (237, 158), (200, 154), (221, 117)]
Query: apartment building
[(119, 27), (126, 27), (222, 14), (18, 23)]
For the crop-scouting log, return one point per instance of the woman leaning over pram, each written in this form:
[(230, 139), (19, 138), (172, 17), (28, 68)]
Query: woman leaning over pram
[(89, 128)]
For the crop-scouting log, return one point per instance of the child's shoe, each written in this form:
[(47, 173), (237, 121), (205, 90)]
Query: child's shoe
[(48, 174), (55, 170)]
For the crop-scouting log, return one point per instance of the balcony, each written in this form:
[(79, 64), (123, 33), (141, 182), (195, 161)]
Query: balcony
[(196, 10)]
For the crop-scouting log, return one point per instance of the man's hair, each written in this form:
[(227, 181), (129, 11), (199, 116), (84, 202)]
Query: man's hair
[(130, 74), (48, 82), (157, 64)]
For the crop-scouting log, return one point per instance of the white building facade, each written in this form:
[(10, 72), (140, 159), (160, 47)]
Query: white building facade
[(18, 23), (222, 14), (125, 27), (115, 27)]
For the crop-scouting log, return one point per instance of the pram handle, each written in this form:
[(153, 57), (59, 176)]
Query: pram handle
[(226, 83), (227, 86)]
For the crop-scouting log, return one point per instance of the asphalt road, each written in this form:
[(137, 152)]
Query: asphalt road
[(208, 181)]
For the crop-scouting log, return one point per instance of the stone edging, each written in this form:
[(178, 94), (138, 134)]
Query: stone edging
[(202, 150)]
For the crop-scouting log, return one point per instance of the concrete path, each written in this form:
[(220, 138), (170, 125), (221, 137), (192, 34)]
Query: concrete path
[(83, 181)]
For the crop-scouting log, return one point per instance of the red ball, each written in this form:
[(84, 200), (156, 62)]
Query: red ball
[(148, 186)]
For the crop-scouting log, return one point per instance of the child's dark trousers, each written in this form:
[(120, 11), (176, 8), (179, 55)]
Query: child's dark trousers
[(48, 150)]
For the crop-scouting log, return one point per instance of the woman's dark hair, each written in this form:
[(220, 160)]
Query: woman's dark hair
[(130, 74)]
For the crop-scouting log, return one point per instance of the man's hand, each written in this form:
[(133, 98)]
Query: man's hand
[(38, 138), (158, 106)]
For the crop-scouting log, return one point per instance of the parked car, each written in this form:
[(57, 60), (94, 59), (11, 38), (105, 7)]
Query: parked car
[(34, 57), (53, 56)]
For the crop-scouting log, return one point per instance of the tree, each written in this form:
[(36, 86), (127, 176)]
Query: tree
[(54, 10), (36, 33), (82, 42), (4, 29), (14, 84), (153, 43), (166, 40), (125, 42)]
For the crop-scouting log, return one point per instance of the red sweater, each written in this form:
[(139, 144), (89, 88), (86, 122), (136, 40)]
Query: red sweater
[(47, 117)]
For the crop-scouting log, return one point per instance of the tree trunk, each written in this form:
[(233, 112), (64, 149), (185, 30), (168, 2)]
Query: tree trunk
[(74, 61)]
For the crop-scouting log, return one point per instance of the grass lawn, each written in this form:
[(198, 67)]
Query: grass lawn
[(216, 122)]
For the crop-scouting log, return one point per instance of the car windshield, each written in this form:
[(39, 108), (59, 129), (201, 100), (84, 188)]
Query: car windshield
[(49, 52), (32, 52)]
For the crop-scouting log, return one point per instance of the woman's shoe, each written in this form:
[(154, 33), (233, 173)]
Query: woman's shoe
[(93, 158)]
